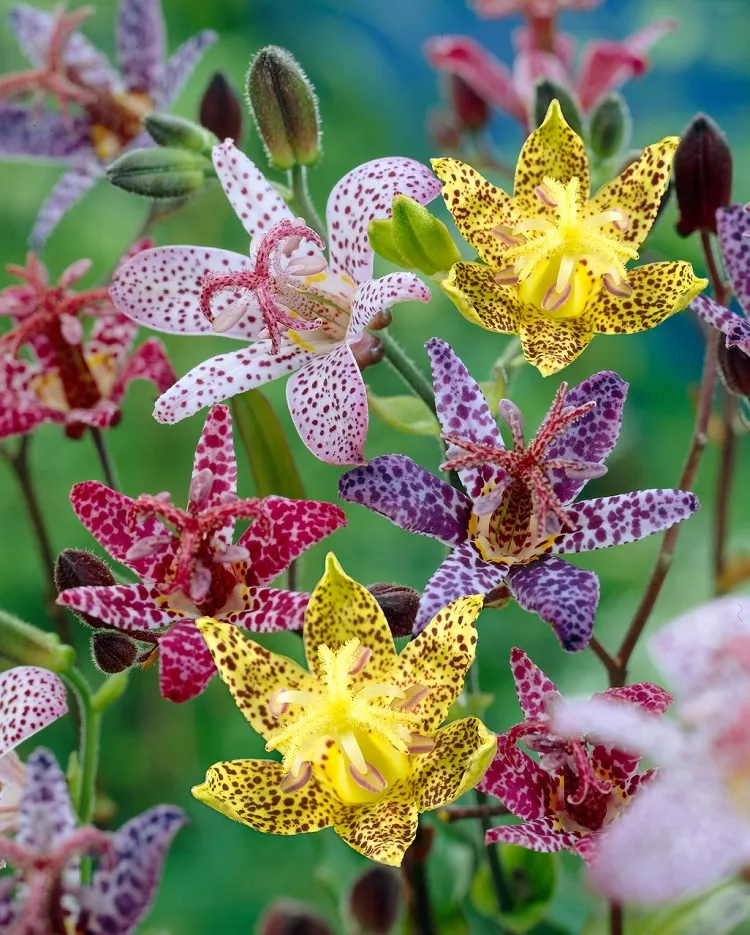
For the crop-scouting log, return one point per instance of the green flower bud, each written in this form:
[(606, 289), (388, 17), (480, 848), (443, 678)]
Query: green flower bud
[(168, 130), (547, 91), (25, 645), (413, 238), (162, 172), (610, 126), (285, 108)]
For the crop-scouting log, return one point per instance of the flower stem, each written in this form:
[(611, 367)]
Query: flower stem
[(452, 813), (414, 869), (301, 201), (616, 921), (407, 369), (88, 758), (108, 465)]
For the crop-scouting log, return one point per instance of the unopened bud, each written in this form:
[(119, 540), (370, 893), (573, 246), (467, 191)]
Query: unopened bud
[(734, 367), (443, 130), (287, 917), (367, 351), (702, 176), (610, 126), (169, 130), (547, 91), (399, 604), (375, 900), (113, 652), (23, 644), (220, 109), (413, 238), (75, 568), (161, 172), (283, 102), (472, 111)]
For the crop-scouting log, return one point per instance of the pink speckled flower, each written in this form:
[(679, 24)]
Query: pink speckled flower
[(496, 9), (194, 568), (285, 281), (576, 788)]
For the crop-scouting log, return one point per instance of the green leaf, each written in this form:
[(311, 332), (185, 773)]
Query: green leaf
[(531, 879), (266, 446), (405, 413)]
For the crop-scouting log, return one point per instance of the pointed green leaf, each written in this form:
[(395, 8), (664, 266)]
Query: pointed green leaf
[(405, 413)]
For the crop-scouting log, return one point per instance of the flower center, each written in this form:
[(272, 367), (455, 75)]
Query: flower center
[(557, 261), (359, 736), (117, 120)]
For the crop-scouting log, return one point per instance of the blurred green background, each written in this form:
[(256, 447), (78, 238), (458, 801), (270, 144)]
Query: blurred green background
[(364, 58)]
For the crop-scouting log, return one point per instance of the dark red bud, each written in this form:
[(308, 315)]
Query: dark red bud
[(375, 900), (734, 367), (443, 130), (472, 110), (75, 568), (399, 604), (113, 652), (286, 917), (702, 176), (367, 351), (220, 109)]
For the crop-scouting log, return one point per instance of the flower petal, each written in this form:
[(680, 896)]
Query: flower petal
[(410, 497), (477, 206), (733, 227), (126, 606), (383, 830), (30, 133), (249, 791), (30, 699), (473, 290), (185, 664), (46, 818), (215, 455), (328, 405), (531, 685), (521, 784), (720, 317), (180, 66), (463, 750), (377, 295), (113, 336), (544, 835), (225, 376), (8, 915), (292, 527), (253, 674), (341, 609), (464, 572), (268, 610), (141, 43), (20, 408), (439, 659), (624, 518), (552, 343), (361, 196), (564, 596), (67, 191), (555, 151), (149, 362)]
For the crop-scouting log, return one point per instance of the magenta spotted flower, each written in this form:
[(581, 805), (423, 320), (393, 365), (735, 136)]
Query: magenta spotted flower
[(189, 565), (46, 893), (96, 111), (518, 513), (575, 788), (303, 312)]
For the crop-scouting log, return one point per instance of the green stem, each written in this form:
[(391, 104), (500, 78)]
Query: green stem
[(301, 201), (88, 757), (108, 465), (407, 369)]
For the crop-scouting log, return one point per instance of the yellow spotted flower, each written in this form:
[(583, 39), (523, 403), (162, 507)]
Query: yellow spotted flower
[(359, 737), (555, 268)]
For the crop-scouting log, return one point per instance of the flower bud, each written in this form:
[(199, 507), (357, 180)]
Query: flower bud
[(220, 109), (287, 917), (285, 108), (75, 568), (610, 126), (547, 91), (472, 111), (169, 130), (443, 130), (113, 652), (375, 900), (367, 351), (413, 238), (734, 368), (399, 604), (162, 172), (23, 644), (702, 172)]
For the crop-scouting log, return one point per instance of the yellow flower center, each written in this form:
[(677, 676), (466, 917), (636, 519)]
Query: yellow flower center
[(557, 261), (359, 736)]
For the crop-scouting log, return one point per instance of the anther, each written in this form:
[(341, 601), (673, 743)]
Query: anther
[(414, 695), (277, 707), (553, 300), (235, 553), (200, 487), (292, 783), (545, 196), (307, 266), (230, 316), (371, 779), (146, 546), (506, 277), (506, 236), (620, 289), (363, 657), (420, 744)]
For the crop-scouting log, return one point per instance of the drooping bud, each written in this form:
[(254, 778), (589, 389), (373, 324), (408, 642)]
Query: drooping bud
[(161, 172), (547, 91), (443, 130), (399, 604), (702, 176), (287, 917), (113, 652), (367, 351), (413, 238), (375, 900), (170, 130), (473, 111), (610, 126), (734, 368), (75, 568), (23, 644), (285, 108), (220, 109)]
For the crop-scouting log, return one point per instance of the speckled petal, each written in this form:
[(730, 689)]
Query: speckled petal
[(624, 518), (180, 66), (555, 151), (733, 226), (341, 609), (215, 455), (253, 674), (531, 685), (463, 411), (477, 207), (8, 916), (20, 408), (161, 287), (46, 817), (463, 750), (185, 664), (141, 43), (255, 201), (268, 610), (225, 376), (552, 343), (564, 596), (248, 791), (521, 784), (721, 318), (377, 295), (409, 496), (464, 572), (659, 290), (545, 835), (439, 659), (29, 133), (384, 830), (364, 194), (293, 526), (328, 404), (30, 699), (67, 191), (473, 290), (148, 362), (126, 606)]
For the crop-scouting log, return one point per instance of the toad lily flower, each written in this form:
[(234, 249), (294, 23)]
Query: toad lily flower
[(359, 733), (99, 111), (555, 262), (30, 699), (496, 9), (576, 788), (518, 512), (45, 894), (194, 568), (285, 281)]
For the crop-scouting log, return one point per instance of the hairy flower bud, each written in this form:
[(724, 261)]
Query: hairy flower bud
[(413, 238), (220, 109), (399, 604), (473, 111), (734, 368), (169, 130), (162, 172), (113, 652), (287, 917), (610, 126), (547, 91), (375, 900), (75, 568), (285, 108), (702, 176), (22, 644)]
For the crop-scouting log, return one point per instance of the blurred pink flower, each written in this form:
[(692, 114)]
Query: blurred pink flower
[(496, 9)]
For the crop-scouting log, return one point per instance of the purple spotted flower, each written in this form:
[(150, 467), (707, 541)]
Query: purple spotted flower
[(46, 894), (518, 513), (99, 109), (576, 788), (285, 281)]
